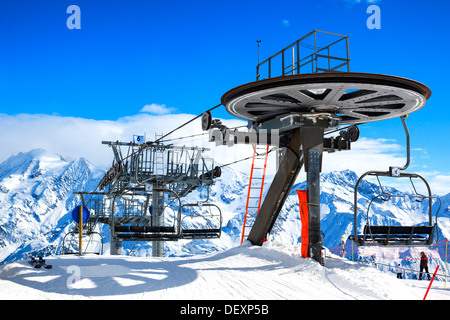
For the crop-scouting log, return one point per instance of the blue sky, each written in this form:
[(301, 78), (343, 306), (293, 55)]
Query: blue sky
[(186, 54)]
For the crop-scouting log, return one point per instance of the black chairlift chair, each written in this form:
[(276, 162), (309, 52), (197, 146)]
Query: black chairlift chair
[(134, 224), (204, 225), (395, 235), (211, 223)]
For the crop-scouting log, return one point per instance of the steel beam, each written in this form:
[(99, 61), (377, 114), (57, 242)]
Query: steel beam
[(313, 189), (157, 220), (115, 248), (305, 146), (312, 146)]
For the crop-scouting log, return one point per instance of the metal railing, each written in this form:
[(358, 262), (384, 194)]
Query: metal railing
[(295, 61), (406, 257)]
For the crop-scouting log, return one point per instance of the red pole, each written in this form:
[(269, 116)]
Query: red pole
[(431, 282), (304, 217)]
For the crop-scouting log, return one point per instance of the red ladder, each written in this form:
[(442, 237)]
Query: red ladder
[(256, 184)]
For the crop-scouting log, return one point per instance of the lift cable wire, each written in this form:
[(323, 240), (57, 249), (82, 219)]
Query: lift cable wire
[(159, 139), (191, 120), (197, 135), (179, 127), (185, 137), (243, 159), (186, 123)]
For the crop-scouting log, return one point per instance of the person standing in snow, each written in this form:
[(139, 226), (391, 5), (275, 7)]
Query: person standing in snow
[(423, 265), (399, 271)]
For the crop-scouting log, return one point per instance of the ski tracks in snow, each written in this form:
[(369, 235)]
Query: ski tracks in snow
[(272, 272)]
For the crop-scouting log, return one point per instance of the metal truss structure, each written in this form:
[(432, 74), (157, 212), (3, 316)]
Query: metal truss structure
[(140, 195)]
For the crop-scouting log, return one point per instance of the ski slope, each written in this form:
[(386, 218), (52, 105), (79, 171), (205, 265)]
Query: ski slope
[(273, 271)]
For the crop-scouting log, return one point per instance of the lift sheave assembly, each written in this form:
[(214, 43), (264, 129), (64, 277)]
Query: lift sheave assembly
[(295, 112)]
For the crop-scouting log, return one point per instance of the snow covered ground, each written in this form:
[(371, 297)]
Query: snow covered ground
[(246, 272), (36, 198)]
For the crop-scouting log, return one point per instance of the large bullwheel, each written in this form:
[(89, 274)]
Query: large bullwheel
[(353, 98)]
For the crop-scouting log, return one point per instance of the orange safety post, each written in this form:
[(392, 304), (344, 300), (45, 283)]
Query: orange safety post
[(431, 282), (248, 196), (80, 230), (304, 218)]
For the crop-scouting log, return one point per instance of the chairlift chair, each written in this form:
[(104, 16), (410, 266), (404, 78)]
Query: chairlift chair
[(395, 235), (212, 224), (71, 238), (139, 228)]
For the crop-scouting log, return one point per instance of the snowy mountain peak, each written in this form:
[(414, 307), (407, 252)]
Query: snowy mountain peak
[(32, 163), (347, 177), (36, 194), (331, 181)]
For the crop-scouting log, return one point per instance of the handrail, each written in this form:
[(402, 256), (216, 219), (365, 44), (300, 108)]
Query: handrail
[(297, 59), (408, 147)]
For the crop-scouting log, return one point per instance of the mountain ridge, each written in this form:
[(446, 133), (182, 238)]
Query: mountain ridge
[(36, 198)]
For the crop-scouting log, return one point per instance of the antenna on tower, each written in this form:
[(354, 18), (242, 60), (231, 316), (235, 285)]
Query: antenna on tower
[(257, 66), (259, 45)]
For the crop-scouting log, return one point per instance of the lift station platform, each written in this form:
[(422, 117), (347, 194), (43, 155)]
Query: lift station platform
[(294, 111)]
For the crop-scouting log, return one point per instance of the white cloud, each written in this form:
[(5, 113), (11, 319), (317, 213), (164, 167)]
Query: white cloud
[(365, 155), (441, 184), (157, 109), (78, 137)]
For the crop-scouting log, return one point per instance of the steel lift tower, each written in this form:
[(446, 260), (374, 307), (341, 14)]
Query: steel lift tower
[(140, 195), (302, 93)]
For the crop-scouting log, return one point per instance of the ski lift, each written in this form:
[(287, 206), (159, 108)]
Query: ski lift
[(395, 235), (83, 235), (205, 222), (135, 224), (93, 245)]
